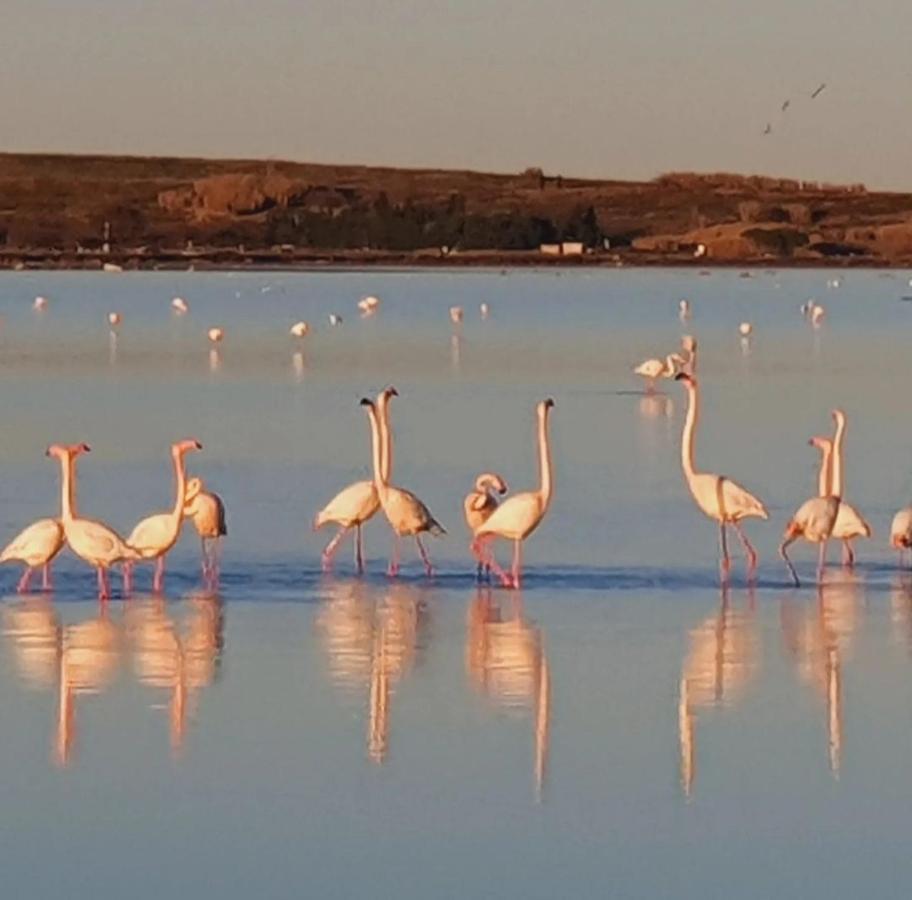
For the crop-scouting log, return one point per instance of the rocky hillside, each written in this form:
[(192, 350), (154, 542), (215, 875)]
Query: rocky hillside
[(65, 209)]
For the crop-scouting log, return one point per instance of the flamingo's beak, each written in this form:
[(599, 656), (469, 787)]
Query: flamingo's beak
[(366, 402)]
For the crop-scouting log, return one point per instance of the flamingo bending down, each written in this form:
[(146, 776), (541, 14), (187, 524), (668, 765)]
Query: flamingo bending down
[(406, 514), (816, 517), (717, 496), (356, 504), (207, 512), (478, 506), (849, 522), (901, 531), (92, 541), (518, 516), (653, 369), (155, 535), (36, 545)]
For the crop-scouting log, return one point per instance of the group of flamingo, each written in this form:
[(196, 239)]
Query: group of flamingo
[(514, 519), (824, 517), (101, 547)]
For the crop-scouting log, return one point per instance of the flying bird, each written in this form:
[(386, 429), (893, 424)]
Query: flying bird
[(819, 91), (768, 129), (786, 105)]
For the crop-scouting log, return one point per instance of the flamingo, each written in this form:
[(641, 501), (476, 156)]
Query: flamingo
[(36, 546), (456, 315), (40, 304), (478, 506), (114, 319), (406, 514), (299, 329), (688, 355), (816, 517), (484, 309), (683, 309), (356, 504), (155, 535), (335, 319), (216, 335), (818, 314), (518, 516), (92, 541), (745, 329), (368, 305), (717, 496), (207, 512), (180, 306), (653, 369), (901, 531), (849, 522)]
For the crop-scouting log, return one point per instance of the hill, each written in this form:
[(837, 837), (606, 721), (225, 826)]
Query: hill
[(85, 210)]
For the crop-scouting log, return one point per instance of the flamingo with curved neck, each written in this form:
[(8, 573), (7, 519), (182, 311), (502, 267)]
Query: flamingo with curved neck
[(92, 541), (155, 535), (717, 496), (518, 516), (356, 504), (407, 515), (478, 507)]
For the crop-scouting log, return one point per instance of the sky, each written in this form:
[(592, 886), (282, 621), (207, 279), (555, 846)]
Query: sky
[(601, 88)]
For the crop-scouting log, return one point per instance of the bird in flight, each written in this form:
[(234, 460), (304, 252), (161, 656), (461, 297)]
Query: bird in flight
[(786, 105), (818, 92), (768, 129)]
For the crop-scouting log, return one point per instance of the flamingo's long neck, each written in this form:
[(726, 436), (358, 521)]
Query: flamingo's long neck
[(180, 470), (838, 486), (67, 487), (544, 458), (386, 438), (690, 428), (824, 486), (380, 481)]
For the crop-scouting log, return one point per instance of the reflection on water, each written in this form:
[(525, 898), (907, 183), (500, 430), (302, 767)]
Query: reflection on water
[(371, 643), (722, 660), (506, 661), (85, 658)]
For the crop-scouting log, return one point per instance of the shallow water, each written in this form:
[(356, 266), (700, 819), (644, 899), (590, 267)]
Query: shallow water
[(620, 728)]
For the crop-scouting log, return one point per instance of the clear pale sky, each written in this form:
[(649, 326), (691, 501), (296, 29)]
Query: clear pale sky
[(597, 87)]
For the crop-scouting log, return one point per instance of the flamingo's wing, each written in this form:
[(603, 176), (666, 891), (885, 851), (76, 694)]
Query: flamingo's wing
[(850, 523), (40, 541), (515, 518), (739, 503), (152, 534), (901, 528), (353, 504)]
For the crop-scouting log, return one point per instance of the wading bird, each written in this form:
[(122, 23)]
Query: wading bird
[(207, 512), (518, 516), (849, 522), (478, 506), (718, 497), (407, 515), (653, 369)]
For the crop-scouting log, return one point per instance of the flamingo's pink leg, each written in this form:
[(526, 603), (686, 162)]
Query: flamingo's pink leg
[(821, 561), (748, 549), (46, 582), (158, 580), (428, 568), (23, 584), (331, 547), (126, 573), (487, 543), (393, 569), (516, 574), (725, 561), (848, 553), (104, 590)]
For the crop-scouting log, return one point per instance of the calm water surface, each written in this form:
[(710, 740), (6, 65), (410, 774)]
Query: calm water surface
[(621, 728)]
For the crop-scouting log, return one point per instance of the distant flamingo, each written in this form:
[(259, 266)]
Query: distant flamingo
[(688, 355), (816, 517), (356, 504), (92, 541), (216, 335), (40, 304), (684, 309), (299, 329), (114, 319), (36, 546), (456, 315), (653, 369), (745, 329), (478, 506), (484, 309), (718, 497), (155, 535), (849, 522), (406, 514), (817, 314), (207, 512), (179, 305), (518, 516)]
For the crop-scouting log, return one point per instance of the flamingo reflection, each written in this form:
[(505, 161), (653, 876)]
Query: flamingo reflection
[(722, 660), (506, 661), (371, 645)]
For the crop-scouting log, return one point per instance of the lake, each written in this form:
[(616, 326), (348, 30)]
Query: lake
[(621, 727)]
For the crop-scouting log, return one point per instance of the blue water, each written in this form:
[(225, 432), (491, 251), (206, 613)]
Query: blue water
[(620, 728)]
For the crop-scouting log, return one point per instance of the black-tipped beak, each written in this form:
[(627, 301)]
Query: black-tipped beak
[(682, 376), (198, 445), (549, 403), (85, 448), (366, 402), (47, 452), (393, 392)]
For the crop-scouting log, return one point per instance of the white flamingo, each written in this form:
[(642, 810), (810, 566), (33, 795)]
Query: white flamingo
[(92, 541), (850, 524), (815, 518), (180, 306), (407, 515), (207, 512), (653, 369), (901, 531), (478, 506), (356, 504), (155, 535), (717, 496), (518, 516)]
